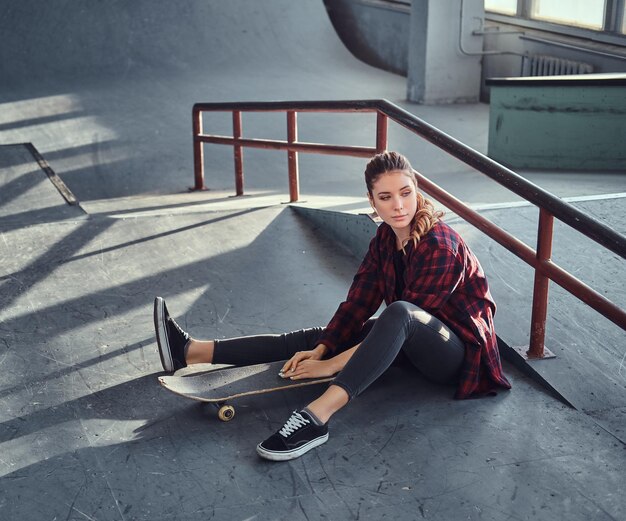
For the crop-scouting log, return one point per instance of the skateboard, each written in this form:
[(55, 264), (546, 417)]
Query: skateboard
[(220, 386)]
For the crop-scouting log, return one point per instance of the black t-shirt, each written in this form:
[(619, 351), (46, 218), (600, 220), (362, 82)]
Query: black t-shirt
[(398, 264)]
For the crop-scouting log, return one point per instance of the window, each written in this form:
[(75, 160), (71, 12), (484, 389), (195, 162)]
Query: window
[(501, 6), (581, 13), (602, 20)]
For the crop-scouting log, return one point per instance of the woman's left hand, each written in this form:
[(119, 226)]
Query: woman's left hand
[(312, 369)]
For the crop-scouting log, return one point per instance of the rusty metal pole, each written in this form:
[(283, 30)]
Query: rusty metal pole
[(198, 151), (238, 152), (381, 132), (292, 157), (540, 292)]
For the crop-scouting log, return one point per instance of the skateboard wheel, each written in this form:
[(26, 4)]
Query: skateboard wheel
[(226, 413)]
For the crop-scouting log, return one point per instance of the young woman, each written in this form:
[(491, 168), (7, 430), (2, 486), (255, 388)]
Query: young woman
[(439, 317)]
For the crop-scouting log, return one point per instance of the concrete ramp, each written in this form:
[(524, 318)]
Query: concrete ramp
[(117, 38), (86, 431), (105, 89)]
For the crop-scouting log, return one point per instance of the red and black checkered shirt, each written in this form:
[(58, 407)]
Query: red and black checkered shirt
[(443, 277)]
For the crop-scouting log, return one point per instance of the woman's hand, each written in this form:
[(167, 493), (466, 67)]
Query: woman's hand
[(291, 365), (312, 369)]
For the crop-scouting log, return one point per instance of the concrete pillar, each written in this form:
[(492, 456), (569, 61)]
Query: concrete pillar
[(444, 60)]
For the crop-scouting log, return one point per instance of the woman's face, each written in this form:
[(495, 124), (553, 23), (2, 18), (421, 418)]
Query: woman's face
[(394, 199)]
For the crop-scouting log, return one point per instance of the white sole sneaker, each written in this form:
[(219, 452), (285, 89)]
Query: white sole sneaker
[(161, 335), (293, 453)]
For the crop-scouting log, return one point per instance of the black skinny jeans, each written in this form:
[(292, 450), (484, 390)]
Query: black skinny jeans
[(402, 331)]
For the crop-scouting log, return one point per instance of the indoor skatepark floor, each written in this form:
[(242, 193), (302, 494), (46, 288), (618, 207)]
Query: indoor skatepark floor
[(86, 432)]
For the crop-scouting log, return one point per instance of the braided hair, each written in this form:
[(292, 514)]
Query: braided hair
[(426, 216)]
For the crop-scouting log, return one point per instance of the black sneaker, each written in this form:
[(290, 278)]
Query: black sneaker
[(170, 337), (297, 437)]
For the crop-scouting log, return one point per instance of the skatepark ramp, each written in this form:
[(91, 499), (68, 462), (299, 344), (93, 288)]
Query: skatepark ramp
[(102, 89), (81, 400)]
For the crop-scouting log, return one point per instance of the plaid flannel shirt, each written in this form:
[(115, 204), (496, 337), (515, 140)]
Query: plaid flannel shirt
[(443, 277)]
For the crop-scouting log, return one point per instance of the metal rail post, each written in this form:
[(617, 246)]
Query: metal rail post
[(198, 152), (292, 156), (540, 291), (238, 153), (381, 132)]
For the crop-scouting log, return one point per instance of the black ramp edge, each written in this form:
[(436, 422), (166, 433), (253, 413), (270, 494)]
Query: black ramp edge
[(30, 191), (58, 183)]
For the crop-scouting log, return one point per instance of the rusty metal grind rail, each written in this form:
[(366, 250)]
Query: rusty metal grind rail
[(550, 206)]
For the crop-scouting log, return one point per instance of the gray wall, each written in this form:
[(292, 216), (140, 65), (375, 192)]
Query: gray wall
[(444, 54)]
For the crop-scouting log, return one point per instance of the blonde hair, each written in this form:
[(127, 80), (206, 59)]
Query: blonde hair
[(426, 216)]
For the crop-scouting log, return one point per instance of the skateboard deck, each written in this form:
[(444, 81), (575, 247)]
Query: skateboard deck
[(224, 385)]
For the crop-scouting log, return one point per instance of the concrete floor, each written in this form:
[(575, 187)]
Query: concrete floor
[(86, 432)]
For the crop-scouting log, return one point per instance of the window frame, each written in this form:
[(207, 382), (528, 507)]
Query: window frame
[(611, 32)]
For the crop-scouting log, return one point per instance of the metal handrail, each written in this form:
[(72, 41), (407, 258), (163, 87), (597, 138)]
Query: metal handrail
[(550, 206)]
